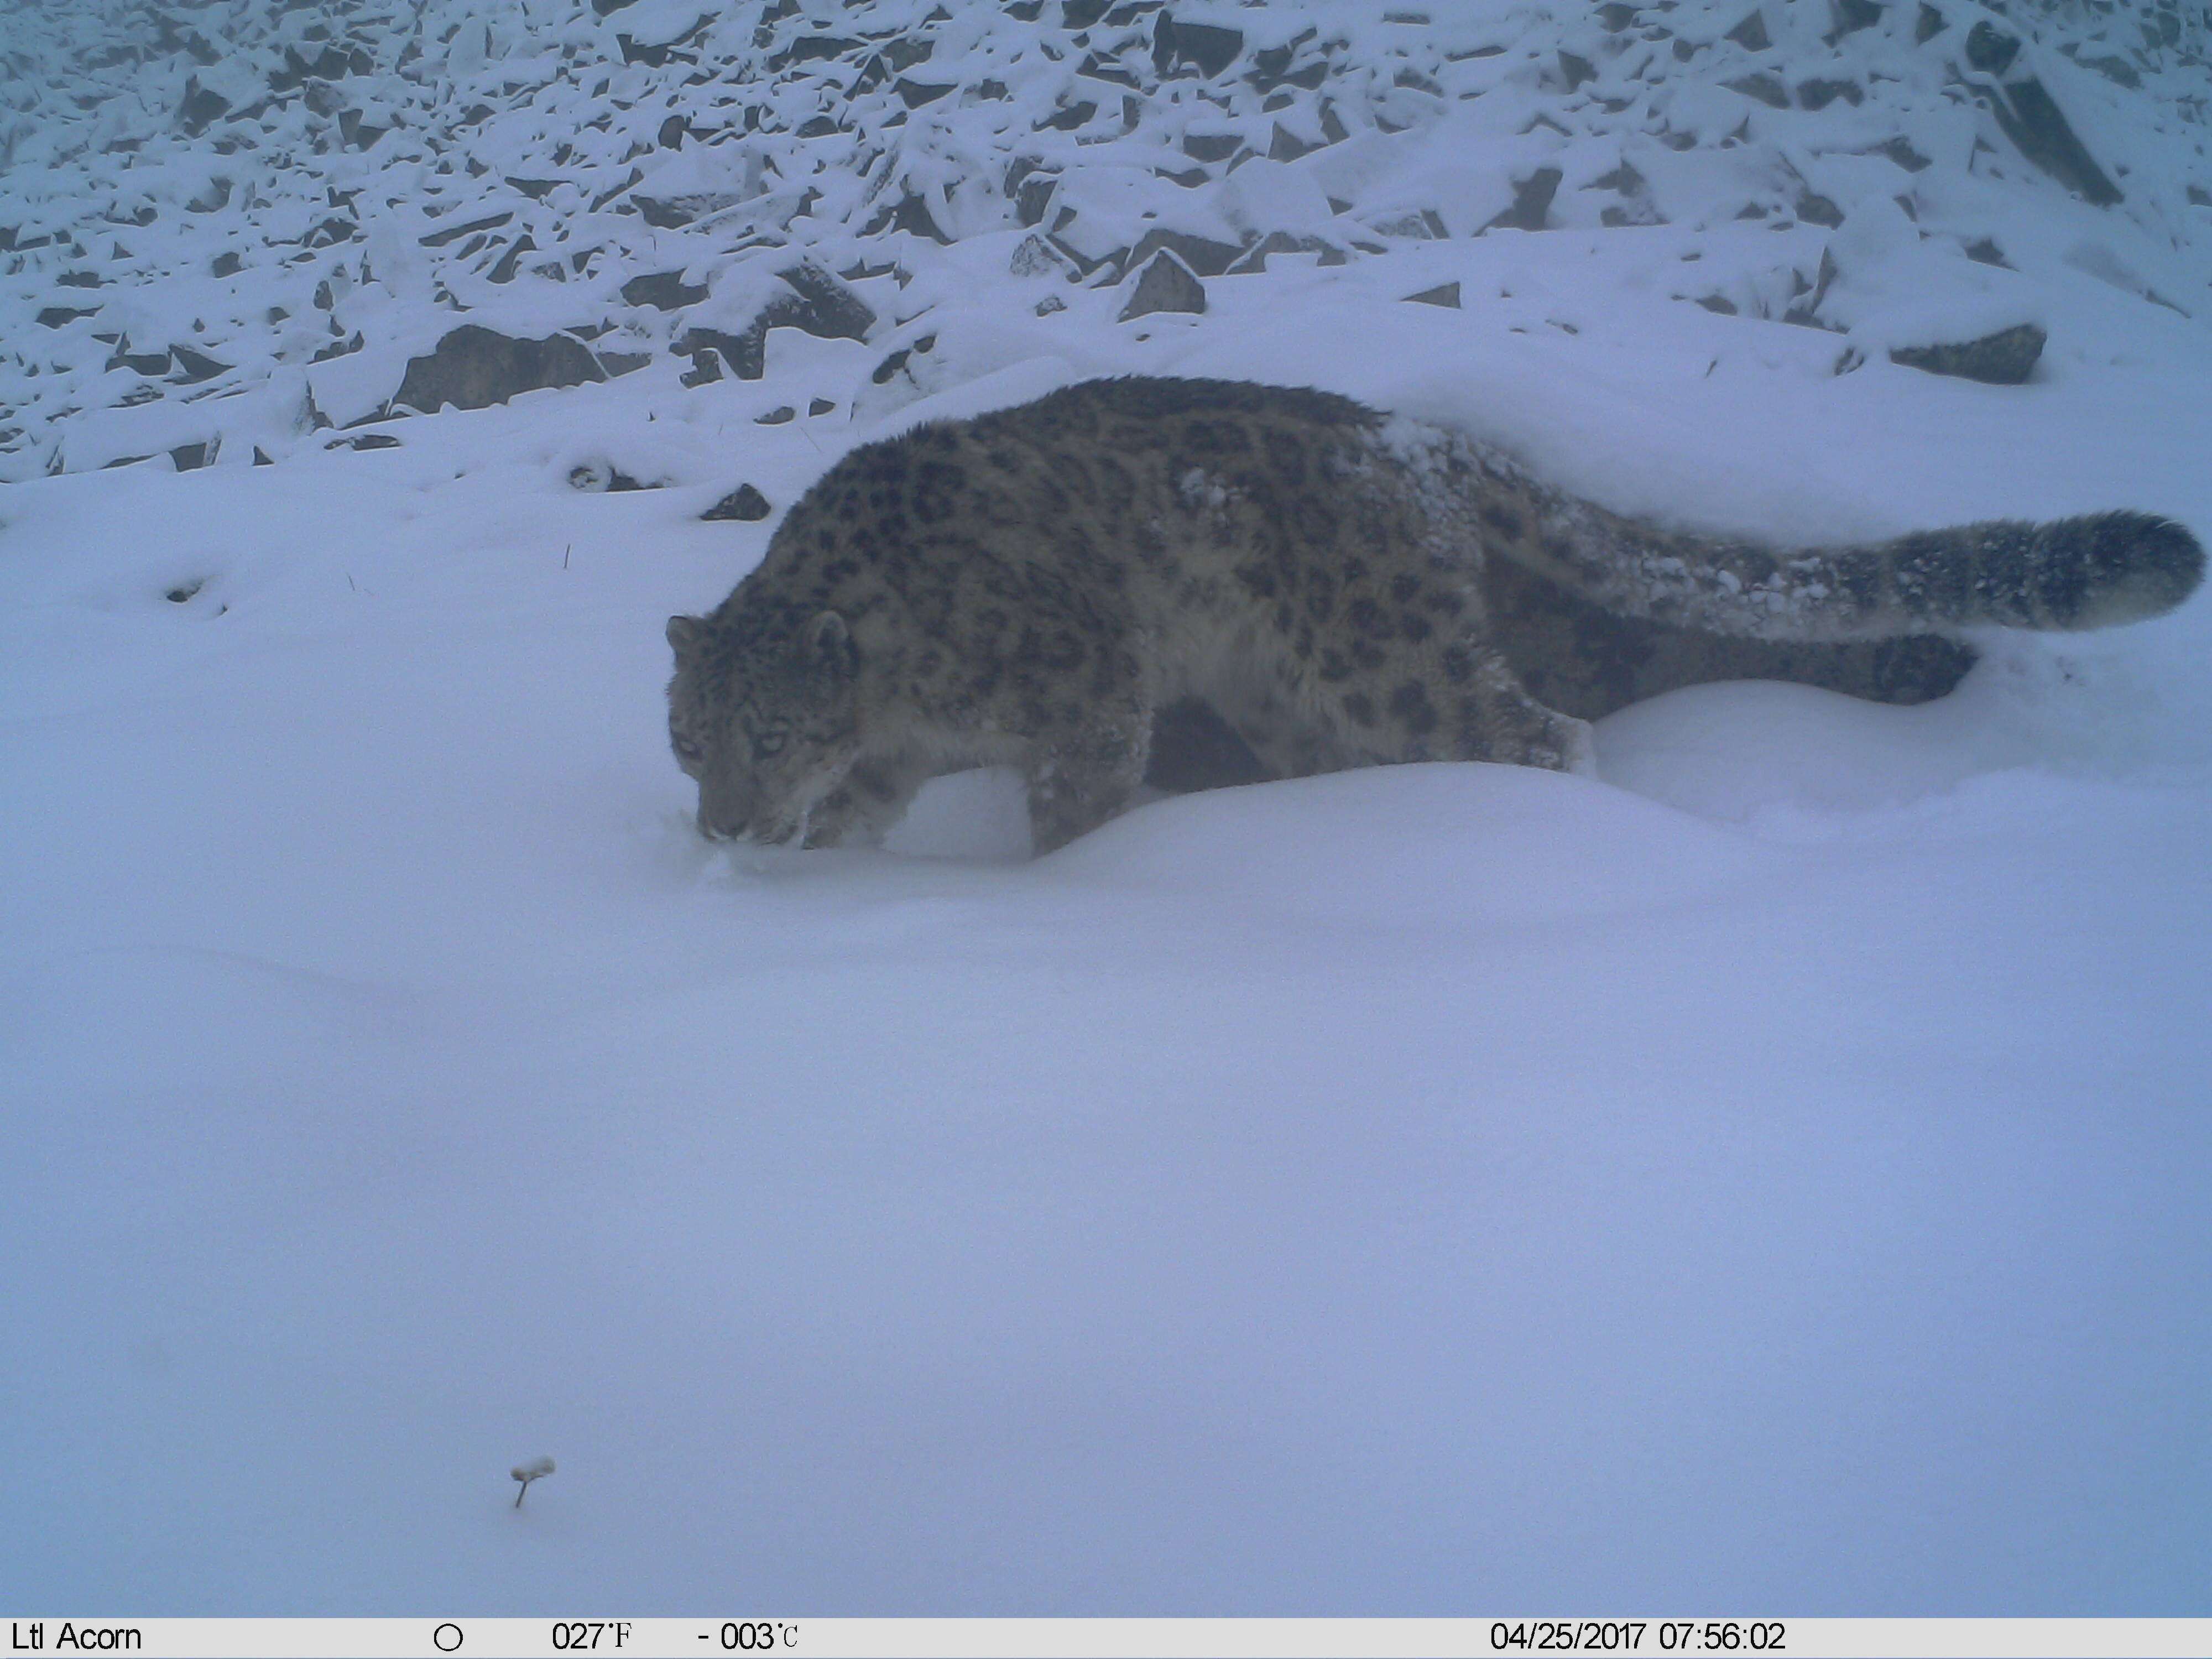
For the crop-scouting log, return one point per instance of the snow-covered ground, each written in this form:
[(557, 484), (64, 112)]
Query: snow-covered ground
[(1775, 1175)]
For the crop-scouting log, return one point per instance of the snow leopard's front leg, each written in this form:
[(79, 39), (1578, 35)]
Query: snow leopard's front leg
[(873, 796), (1079, 776)]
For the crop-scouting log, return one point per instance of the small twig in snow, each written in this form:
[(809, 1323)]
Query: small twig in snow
[(536, 1469)]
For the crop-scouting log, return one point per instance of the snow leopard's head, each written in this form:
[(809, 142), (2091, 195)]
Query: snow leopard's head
[(763, 713)]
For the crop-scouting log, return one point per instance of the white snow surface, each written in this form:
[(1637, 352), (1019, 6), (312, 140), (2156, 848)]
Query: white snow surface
[(1775, 1175)]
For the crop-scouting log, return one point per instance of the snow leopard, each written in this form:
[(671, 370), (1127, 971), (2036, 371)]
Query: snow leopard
[(1056, 586)]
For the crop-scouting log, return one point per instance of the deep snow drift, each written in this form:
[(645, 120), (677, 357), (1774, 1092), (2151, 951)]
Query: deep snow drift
[(1775, 1175)]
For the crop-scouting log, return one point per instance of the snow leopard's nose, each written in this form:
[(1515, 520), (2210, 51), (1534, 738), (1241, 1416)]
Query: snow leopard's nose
[(726, 813), (720, 826)]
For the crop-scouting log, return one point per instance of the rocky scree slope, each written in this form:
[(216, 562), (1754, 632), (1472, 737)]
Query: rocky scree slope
[(229, 230)]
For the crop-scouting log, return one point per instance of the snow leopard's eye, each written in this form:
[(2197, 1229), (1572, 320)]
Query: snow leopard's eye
[(685, 748), (767, 744)]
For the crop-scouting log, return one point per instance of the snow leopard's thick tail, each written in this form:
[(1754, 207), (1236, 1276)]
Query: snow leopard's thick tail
[(2070, 573)]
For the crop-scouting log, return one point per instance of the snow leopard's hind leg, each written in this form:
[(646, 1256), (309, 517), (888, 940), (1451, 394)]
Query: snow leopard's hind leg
[(1463, 703), (1493, 717)]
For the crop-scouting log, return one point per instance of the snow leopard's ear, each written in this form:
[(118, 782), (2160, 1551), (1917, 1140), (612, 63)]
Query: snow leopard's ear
[(684, 633), (828, 646)]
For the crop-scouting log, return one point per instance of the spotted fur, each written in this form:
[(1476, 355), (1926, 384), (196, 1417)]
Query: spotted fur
[(1035, 587)]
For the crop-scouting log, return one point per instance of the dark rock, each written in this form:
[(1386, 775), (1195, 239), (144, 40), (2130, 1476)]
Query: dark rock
[(1213, 146), (1817, 209), (189, 458), (2032, 120), (1068, 119), (746, 354), (455, 232), (658, 56), (2117, 69), (1576, 69), (1034, 198), (503, 271), (904, 52), (911, 216), (1806, 313), (1165, 284), (1636, 206), (1766, 88), (201, 105), (914, 93), (894, 361), (1287, 146), (745, 504), (193, 367), (1987, 253), (1281, 241), (1930, 25), (1719, 303), (226, 265), (1852, 15), (819, 406), (1903, 154), (819, 305), (609, 195), (1445, 293), (1204, 255), (1751, 33), (813, 302), (62, 316), (1819, 94), (604, 477), (2004, 358), (812, 48), (1207, 47), (472, 368), (777, 417), (151, 364), (356, 133), (1990, 49), (1532, 202), (1036, 256), (666, 213), (664, 290)]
